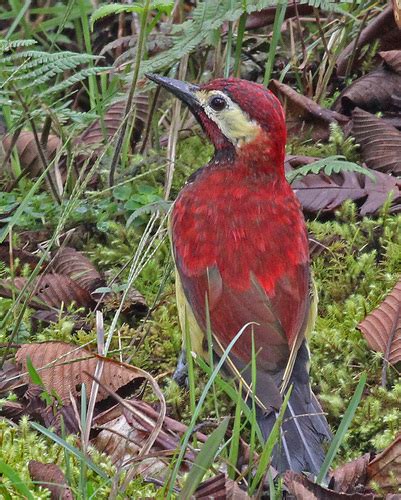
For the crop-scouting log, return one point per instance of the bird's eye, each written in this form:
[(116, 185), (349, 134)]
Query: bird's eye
[(217, 103)]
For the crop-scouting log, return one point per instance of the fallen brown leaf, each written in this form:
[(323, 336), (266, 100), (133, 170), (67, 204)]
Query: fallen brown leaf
[(94, 135), (87, 145), (220, 487), (397, 11), (134, 304), (319, 193), (379, 142), (351, 476), (49, 291), (264, 17), (69, 262), (28, 152), (372, 92), (392, 58), (8, 256), (51, 477), (304, 489), (71, 367), (305, 117), (382, 327), (381, 26), (123, 441), (385, 470)]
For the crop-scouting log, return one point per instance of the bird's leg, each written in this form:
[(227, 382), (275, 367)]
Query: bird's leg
[(181, 372)]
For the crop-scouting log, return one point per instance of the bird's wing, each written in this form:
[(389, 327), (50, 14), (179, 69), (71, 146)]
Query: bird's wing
[(229, 311), (240, 264)]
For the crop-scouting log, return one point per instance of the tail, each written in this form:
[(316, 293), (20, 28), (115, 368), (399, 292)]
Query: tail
[(305, 428)]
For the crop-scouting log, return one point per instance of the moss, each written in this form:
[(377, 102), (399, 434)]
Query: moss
[(353, 276), (20, 444)]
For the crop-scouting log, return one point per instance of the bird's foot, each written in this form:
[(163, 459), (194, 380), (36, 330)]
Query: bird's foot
[(181, 372)]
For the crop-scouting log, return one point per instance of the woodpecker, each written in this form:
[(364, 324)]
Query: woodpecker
[(241, 252)]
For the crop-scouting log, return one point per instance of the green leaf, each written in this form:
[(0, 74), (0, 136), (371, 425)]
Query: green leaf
[(165, 6), (329, 165), (204, 460), (33, 374), (16, 481), (150, 208), (273, 438), (342, 429), (122, 193)]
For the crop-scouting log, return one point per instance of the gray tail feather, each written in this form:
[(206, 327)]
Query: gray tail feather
[(305, 428)]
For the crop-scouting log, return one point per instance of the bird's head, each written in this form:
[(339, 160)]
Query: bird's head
[(241, 118)]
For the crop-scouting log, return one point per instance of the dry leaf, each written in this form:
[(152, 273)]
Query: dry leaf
[(70, 368), (49, 291), (320, 193), (382, 26), (382, 327), (379, 142), (24, 257), (94, 135), (134, 426), (28, 152), (265, 17), (397, 12), (69, 262), (51, 477), (385, 470), (305, 117), (220, 487), (134, 304), (304, 489), (123, 442), (392, 58), (351, 476), (372, 92), (8, 373)]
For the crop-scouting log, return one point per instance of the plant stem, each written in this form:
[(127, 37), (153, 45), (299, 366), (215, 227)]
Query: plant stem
[(238, 46), (122, 136), (278, 21)]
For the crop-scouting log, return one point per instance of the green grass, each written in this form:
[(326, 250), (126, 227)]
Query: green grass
[(124, 235)]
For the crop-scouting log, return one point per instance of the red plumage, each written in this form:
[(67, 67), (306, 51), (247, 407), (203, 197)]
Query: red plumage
[(239, 241), (240, 217)]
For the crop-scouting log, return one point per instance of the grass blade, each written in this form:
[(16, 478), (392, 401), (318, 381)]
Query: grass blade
[(273, 438), (74, 451), (198, 408), (16, 481), (342, 429), (278, 21), (204, 460)]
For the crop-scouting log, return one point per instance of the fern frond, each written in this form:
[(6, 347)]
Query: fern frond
[(164, 6), (75, 78), (7, 45), (35, 68), (45, 73), (329, 165)]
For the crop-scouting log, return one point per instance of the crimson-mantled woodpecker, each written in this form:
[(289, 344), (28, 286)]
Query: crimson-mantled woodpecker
[(239, 240)]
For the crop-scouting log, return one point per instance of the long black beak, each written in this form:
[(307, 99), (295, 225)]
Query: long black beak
[(183, 90)]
